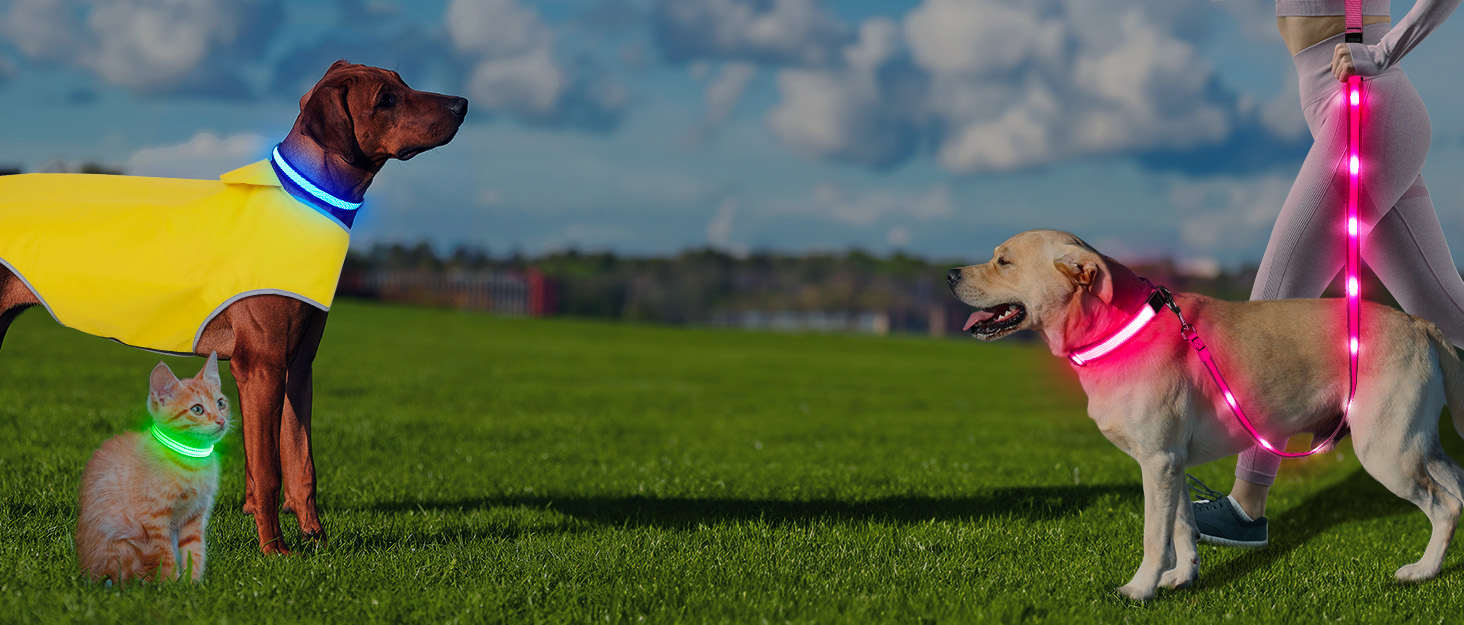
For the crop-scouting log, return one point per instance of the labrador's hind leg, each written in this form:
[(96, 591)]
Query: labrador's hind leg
[(1405, 463)]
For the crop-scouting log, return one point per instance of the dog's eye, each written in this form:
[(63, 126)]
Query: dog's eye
[(386, 100), (197, 408), (1001, 261)]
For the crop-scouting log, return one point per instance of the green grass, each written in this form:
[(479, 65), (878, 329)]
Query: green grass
[(475, 469)]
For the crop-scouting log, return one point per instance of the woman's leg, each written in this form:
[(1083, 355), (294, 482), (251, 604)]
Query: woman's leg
[(1407, 250), (1307, 246), (1304, 254)]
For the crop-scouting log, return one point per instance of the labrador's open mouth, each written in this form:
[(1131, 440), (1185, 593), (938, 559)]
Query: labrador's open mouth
[(987, 323)]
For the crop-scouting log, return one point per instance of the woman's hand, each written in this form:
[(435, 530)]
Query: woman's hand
[(1342, 66)]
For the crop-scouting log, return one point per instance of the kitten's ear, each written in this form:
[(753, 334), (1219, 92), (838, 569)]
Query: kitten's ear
[(162, 383), (210, 371)]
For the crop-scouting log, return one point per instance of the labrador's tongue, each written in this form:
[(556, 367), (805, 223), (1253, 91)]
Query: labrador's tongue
[(977, 317)]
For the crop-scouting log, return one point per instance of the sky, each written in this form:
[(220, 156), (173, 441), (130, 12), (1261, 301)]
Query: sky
[(1151, 128)]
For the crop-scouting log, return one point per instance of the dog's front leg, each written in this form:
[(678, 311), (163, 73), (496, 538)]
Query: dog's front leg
[(260, 374), (1162, 474), (1186, 552)]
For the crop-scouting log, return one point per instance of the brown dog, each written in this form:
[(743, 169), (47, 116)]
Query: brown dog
[(353, 120)]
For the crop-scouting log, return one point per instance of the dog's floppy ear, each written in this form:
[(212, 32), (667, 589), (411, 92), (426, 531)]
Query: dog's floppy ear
[(333, 67), (1086, 269), (326, 118)]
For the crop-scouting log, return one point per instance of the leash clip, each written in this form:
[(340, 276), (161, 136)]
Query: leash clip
[(1185, 329)]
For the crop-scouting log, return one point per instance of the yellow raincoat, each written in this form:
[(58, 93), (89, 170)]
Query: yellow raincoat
[(149, 261)]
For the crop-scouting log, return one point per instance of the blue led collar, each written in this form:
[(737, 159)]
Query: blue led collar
[(309, 187)]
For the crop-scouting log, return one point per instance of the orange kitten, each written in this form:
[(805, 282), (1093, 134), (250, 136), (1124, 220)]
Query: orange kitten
[(146, 496)]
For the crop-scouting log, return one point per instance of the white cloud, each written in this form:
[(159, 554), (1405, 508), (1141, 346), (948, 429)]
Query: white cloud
[(775, 31), (204, 156), (832, 201), (997, 86), (719, 229), (726, 90), (515, 69), (1223, 215), (145, 45), (40, 29), (854, 113), (496, 28), (899, 236)]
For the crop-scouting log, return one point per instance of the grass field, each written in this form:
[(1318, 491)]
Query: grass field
[(476, 469)]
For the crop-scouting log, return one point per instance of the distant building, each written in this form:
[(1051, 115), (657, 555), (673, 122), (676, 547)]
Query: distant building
[(528, 293)]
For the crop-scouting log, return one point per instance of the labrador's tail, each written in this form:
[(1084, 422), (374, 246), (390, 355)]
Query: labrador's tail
[(1453, 371)]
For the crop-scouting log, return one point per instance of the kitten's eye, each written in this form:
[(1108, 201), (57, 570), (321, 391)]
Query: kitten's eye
[(221, 404), (197, 408)]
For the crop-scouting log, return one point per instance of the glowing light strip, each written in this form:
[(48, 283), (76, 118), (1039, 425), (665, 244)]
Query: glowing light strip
[(191, 452), (1354, 306), (1084, 356), (309, 187)]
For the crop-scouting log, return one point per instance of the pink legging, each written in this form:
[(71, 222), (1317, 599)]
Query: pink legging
[(1402, 241)]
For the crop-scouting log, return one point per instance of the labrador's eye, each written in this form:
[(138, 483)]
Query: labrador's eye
[(197, 408), (1001, 261)]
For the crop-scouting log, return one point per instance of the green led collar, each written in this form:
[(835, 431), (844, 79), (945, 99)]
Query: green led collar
[(191, 452)]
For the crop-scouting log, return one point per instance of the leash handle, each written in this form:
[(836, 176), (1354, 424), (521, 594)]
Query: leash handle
[(1353, 13)]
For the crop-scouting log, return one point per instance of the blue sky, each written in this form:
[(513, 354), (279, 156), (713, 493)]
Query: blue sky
[(939, 127)]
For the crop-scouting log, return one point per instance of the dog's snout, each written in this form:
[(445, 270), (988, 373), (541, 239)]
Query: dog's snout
[(953, 276), (458, 106)]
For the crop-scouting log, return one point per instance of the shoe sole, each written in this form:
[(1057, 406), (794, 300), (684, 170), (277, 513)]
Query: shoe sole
[(1226, 542)]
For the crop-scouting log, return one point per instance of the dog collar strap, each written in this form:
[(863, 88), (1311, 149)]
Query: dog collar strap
[(309, 187), (1095, 351), (170, 443)]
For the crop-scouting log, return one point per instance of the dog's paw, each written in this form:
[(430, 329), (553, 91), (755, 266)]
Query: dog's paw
[(1416, 572), (315, 539), (276, 547), (1136, 592), (1179, 578)]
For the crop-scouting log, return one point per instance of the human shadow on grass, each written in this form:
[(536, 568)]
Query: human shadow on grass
[(1032, 503), (1358, 497)]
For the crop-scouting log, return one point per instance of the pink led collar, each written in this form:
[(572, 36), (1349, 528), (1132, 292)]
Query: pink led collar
[(1097, 350)]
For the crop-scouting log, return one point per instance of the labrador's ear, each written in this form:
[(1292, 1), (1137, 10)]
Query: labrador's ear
[(1087, 269), (326, 118)]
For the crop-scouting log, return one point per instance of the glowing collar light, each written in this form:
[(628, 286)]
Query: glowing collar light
[(1085, 355), (191, 452), (309, 187)]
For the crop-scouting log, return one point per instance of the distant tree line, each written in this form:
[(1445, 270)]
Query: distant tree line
[(696, 286)]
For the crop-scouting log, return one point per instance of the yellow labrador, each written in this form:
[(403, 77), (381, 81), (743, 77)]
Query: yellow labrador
[(1285, 360)]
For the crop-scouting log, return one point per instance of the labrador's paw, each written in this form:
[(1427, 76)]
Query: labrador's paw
[(1416, 572), (1181, 577), (1136, 592)]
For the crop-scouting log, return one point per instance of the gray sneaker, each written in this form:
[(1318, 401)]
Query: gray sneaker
[(1221, 521)]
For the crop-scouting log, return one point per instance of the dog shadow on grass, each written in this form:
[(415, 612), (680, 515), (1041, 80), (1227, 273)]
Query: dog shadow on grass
[(1357, 497), (1032, 503)]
